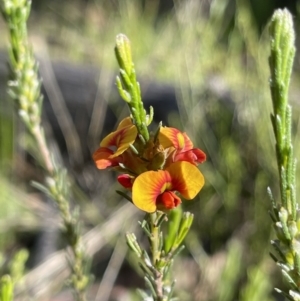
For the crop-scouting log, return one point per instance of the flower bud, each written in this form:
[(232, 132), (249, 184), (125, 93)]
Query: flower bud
[(158, 161)]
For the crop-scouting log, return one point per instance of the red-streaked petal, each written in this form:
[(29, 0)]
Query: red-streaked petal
[(167, 200), (128, 137), (125, 180), (168, 137), (188, 144), (102, 158), (200, 155), (186, 179), (113, 138), (193, 156), (124, 123), (173, 137), (121, 138), (148, 186)]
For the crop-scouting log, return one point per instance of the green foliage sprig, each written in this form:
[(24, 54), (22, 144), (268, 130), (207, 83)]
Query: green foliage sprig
[(24, 88), (285, 213), (129, 87)]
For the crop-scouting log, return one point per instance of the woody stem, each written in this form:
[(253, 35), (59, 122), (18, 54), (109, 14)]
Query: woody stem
[(156, 254), (154, 239)]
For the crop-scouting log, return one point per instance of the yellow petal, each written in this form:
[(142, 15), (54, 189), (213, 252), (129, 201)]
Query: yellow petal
[(166, 137), (121, 138), (128, 137), (186, 179), (147, 187), (124, 123)]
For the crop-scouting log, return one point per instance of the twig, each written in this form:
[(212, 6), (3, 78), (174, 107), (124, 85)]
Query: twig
[(24, 88)]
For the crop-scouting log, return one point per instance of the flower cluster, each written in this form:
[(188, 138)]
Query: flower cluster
[(154, 170)]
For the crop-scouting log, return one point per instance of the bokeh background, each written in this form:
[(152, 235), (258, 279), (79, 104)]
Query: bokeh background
[(203, 65)]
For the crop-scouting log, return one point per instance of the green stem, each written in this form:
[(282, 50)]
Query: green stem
[(44, 151), (25, 89), (154, 239), (156, 255)]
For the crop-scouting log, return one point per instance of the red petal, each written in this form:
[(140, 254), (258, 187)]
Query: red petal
[(193, 156), (102, 158), (125, 180), (167, 200), (200, 155)]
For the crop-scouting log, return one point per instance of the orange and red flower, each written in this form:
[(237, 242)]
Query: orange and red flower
[(154, 190), (180, 146), (115, 144), (154, 172)]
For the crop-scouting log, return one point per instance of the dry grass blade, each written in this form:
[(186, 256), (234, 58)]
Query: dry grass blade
[(112, 271), (51, 274), (60, 109)]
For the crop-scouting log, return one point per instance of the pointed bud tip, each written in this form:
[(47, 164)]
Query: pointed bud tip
[(123, 53), (282, 20), (122, 38)]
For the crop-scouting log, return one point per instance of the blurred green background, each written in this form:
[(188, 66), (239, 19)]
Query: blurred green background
[(212, 56)]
